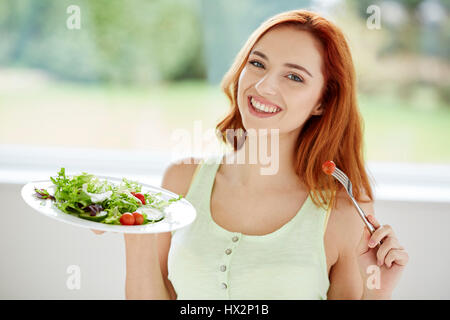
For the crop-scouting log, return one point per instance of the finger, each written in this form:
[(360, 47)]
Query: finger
[(398, 256), (373, 221), (388, 244), (97, 231), (379, 234), (362, 246)]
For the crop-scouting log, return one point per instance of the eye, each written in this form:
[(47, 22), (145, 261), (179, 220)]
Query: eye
[(295, 78), (255, 63)]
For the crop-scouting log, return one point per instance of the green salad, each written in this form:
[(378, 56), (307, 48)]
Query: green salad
[(87, 197)]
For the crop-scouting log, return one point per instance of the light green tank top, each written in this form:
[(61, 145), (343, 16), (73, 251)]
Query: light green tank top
[(207, 261)]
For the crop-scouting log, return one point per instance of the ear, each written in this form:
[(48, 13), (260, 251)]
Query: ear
[(318, 110)]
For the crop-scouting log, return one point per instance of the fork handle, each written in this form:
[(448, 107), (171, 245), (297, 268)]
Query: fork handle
[(362, 215)]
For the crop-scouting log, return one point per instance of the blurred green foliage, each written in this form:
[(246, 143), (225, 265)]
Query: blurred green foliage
[(409, 55), (141, 42), (134, 41), (407, 27)]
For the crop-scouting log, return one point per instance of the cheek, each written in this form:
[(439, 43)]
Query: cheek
[(304, 98), (300, 103), (245, 81)]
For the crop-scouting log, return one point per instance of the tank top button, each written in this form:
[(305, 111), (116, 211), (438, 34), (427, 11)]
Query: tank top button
[(228, 251), (223, 268), (224, 285), (235, 239)]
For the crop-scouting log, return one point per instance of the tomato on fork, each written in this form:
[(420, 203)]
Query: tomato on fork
[(328, 167)]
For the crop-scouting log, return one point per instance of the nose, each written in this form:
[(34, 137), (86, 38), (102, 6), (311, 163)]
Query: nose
[(266, 85)]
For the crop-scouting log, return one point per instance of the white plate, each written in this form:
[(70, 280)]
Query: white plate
[(178, 214)]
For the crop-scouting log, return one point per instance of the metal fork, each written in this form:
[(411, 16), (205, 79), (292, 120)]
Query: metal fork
[(345, 181)]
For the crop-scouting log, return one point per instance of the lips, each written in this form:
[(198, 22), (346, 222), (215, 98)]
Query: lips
[(261, 114), (265, 102)]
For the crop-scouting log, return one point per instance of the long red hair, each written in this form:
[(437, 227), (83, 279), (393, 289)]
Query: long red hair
[(335, 135)]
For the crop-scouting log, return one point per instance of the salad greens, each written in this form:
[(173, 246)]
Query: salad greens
[(87, 197)]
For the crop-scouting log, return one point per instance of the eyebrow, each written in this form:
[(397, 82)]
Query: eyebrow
[(290, 65)]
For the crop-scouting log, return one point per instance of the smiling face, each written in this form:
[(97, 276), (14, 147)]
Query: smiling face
[(283, 77)]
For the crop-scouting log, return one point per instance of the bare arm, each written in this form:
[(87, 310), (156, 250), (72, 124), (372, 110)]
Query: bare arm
[(146, 255), (346, 282), (144, 278)]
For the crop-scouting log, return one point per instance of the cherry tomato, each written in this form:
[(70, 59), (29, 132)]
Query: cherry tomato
[(127, 219), (328, 167), (138, 218), (140, 196)]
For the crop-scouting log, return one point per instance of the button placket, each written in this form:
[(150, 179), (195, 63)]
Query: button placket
[(224, 266)]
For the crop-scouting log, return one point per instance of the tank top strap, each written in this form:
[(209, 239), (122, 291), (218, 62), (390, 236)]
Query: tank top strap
[(323, 214), (328, 211), (202, 181)]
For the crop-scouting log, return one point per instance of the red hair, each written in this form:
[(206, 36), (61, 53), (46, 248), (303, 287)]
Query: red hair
[(335, 135)]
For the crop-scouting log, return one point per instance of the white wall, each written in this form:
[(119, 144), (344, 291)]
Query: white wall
[(36, 251), (422, 229)]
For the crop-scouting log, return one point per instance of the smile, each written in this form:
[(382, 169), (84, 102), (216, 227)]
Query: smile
[(261, 110)]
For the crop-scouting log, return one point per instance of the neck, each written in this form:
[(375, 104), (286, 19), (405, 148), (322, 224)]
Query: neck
[(264, 162)]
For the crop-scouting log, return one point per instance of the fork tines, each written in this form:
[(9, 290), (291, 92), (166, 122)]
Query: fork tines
[(343, 179)]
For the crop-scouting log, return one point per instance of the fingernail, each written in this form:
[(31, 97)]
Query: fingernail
[(371, 243), (379, 263)]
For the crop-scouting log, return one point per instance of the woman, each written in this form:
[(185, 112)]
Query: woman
[(293, 234)]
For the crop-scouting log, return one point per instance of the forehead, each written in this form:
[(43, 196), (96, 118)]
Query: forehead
[(289, 45)]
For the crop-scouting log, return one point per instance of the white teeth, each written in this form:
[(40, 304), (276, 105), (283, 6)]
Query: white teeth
[(263, 107)]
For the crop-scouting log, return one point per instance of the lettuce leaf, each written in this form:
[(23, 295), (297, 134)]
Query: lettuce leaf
[(73, 196)]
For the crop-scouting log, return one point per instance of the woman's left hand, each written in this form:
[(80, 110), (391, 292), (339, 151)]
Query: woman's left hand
[(380, 266)]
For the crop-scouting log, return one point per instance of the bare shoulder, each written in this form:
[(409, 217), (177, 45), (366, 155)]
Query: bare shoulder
[(178, 175), (346, 222), (177, 178)]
